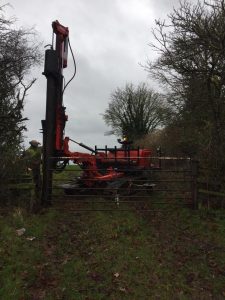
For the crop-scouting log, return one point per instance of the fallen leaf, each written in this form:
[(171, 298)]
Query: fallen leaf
[(31, 238), (116, 275)]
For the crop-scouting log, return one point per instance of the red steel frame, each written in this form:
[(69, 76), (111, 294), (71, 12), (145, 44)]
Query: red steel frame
[(89, 162)]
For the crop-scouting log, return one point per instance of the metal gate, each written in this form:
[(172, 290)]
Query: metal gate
[(169, 182)]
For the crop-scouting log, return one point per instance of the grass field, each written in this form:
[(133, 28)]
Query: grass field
[(176, 254)]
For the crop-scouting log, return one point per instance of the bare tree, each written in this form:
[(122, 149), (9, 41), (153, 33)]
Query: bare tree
[(19, 52), (134, 112), (191, 63)]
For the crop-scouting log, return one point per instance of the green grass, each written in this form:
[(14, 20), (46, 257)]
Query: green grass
[(68, 173), (66, 176), (20, 257), (113, 255)]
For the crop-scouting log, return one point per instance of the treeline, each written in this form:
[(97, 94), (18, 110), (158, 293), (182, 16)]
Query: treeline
[(191, 65), (191, 69)]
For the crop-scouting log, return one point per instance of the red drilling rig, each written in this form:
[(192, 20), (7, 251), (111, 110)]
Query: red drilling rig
[(101, 166)]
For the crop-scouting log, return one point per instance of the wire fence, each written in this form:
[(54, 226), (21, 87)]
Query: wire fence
[(166, 183)]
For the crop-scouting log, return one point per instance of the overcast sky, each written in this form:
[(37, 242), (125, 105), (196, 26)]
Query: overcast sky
[(109, 39)]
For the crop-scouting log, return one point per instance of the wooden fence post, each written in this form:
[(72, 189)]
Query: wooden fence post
[(194, 185)]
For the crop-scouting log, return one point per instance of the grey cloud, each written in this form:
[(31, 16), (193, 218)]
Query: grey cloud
[(109, 39)]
